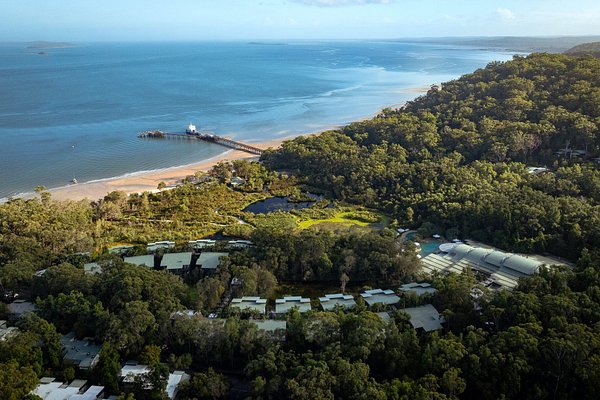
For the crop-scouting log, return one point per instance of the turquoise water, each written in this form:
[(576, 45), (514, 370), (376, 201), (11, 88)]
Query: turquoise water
[(427, 247), (76, 112)]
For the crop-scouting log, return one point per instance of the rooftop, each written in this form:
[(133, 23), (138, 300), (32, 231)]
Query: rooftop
[(6, 332), (82, 353), (176, 260), (92, 268), (426, 317), (379, 296), (286, 303), (21, 307), (164, 244), (330, 301), (147, 260), (210, 260), (503, 269), (418, 288), (270, 325), (252, 303), (49, 389)]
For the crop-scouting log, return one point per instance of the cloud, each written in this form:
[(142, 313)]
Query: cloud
[(505, 14), (339, 3)]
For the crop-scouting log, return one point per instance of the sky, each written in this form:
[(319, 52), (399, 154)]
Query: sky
[(139, 20)]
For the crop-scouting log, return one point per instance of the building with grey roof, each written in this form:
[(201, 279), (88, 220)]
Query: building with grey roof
[(92, 268), (425, 317), (18, 308), (176, 261), (418, 288), (145, 260), (210, 260), (50, 389), (330, 301), (275, 329), (285, 304), (83, 354), (7, 332), (502, 269), (379, 296), (250, 303), (385, 316), (165, 244)]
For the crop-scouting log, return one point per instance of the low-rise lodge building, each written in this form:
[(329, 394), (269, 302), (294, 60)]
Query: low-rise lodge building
[(418, 288), (50, 389), (285, 304), (83, 354), (425, 317), (250, 303), (380, 296), (7, 332), (330, 301), (165, 244)]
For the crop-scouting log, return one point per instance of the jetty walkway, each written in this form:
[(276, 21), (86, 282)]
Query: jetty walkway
[(232, 144)]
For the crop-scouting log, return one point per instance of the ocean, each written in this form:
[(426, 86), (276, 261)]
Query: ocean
[(75, 112)]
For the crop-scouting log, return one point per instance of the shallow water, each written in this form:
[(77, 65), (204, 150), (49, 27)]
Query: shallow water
[(76, 112)]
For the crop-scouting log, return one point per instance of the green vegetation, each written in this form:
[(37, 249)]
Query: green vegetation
[(453, 161), (585, 49)]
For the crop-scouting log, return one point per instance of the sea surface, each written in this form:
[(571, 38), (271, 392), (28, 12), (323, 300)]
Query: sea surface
[(76, 112)]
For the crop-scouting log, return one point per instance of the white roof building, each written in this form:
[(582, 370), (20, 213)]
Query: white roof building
[(131, 370), (250, 303), (239, 244), (503, 269), (330, 301), (285, 304), (49, 389), (165, 244), (202, 243), (379, 296), (7, 332), (425, 317)]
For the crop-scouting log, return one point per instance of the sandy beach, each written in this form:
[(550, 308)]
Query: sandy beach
[(148, 181)]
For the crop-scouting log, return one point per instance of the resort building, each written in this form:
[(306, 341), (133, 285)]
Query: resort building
[(132, 369), (83, 354), (379, 296), (49, 389), (179, 263), (165, 244), (425, 317), (119, 249), (6, 332), (202, 243), (282, 306), (92, 268), (330, 301), (250, 303), (239, 244), (418, 288), (385, 316), (210, 260), (274, 328), (502, 269), (19, 308)]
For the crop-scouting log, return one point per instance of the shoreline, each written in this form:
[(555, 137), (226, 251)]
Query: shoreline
[(147, 181)]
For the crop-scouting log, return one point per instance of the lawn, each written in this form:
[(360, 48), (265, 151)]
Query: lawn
[(341, 219)]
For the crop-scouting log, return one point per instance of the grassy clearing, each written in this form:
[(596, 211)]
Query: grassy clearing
[(343, 219)]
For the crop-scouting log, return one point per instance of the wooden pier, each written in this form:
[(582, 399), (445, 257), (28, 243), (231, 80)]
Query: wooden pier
[(232, 144)]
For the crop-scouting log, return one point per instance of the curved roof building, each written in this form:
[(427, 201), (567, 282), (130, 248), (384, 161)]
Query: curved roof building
[(503, 269)]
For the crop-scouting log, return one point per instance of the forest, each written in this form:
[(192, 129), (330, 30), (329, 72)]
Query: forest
[(453, 161)]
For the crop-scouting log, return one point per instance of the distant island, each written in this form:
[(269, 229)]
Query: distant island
[(585, 49), (48, 45)]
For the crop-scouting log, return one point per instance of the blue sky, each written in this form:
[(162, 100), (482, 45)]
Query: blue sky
[(109, 20)]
